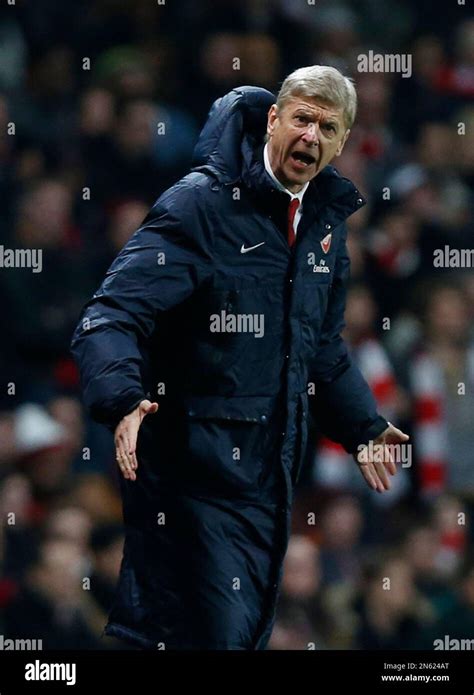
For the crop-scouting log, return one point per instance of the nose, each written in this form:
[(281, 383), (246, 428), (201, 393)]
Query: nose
[(311, 134)]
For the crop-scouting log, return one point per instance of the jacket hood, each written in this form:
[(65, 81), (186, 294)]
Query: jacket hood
[(231, 143), (239, 115)]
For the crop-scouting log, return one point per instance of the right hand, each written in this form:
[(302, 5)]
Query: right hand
[(125, 438)]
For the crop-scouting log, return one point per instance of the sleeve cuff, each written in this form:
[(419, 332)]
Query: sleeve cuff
[(370, 433), (112, 416)]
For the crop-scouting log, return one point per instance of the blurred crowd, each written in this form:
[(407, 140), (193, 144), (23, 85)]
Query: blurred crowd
[(100, 107)]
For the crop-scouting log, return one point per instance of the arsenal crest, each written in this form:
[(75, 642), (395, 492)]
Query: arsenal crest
[(326, 242)]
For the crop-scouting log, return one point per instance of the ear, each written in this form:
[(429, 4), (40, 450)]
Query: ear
[(272, 116), (342, 143)]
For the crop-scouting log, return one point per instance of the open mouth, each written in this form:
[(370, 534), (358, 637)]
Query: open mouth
[(302, 159)]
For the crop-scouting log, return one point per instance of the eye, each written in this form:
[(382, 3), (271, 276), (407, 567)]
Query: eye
[(329, 126), (302, 119)]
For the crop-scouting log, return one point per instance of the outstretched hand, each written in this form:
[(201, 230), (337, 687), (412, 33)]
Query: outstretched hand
[(377, 459), (125, 438)]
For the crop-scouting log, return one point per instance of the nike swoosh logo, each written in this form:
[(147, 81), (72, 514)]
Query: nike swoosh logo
[(250, 248)]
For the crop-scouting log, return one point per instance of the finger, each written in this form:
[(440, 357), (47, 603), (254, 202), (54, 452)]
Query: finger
[(380, 484), (128, 447), (148, 408), (121, 462), (124, 460), (124, 446), (121, 465), (132, 446), (390, 461), (366, 472), (395, 435), (132, 456), (382, 476), (391, 467), (118, 453)]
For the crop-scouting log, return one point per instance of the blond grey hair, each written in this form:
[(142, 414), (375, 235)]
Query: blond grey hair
[(322, 82)]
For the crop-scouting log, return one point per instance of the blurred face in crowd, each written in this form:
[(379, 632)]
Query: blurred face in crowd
[(342, 524), (402, 587), (67, 411), (436, 144), (360, 313), (96, 495), (16, 497), (45, 214), (134, 132), (402, 229), (374, 94), (71, 524), (97, 112), (421, 548), (304, 136), (126, 219), (448, 315), (428, 56), (59, 571), (257, 51), (302, 575), (446, 516)]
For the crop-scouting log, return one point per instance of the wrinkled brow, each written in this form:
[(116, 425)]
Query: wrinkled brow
[(317, 113)]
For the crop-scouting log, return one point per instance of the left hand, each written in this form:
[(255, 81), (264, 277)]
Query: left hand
[(375, 459)]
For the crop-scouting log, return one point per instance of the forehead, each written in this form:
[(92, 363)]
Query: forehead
[(317, 107)]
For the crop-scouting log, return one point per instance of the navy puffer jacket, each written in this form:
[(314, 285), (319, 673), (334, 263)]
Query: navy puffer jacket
[(208, 311)]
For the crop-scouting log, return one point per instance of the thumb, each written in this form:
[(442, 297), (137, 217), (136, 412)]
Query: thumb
[(148, 408), (393, 433)]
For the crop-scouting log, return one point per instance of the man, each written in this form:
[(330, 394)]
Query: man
[(227, 305)]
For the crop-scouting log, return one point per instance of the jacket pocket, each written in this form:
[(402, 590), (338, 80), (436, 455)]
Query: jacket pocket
[(226, 441)]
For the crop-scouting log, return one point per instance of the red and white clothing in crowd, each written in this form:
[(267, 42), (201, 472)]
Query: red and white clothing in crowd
[(334, 466), (442, 432)]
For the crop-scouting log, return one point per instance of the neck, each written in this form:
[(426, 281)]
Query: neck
[(291, 187)]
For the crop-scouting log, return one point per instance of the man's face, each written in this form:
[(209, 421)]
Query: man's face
[(304, 136)]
